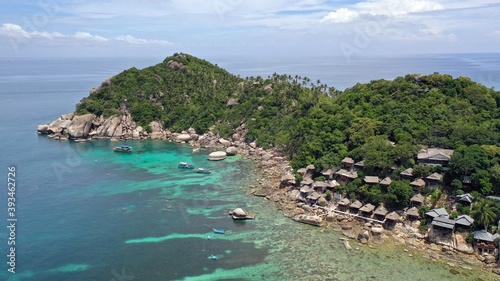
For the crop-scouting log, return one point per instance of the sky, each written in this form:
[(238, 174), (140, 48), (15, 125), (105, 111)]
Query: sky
[(264, 28)]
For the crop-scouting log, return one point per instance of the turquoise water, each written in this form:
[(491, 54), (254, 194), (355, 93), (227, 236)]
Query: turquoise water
[(147, 219)]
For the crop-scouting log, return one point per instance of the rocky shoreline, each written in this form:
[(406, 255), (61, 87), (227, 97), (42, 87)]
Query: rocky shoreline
[(271, 167)]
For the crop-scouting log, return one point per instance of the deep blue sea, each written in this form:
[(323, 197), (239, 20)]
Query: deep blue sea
[(87, 213)]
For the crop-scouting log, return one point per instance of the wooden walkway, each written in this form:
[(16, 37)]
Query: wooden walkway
[(350, 214)]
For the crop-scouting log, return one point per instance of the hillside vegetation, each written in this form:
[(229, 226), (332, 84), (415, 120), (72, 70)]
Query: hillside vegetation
[(314, 124)]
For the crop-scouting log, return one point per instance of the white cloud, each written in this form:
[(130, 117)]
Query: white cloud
[(132, 40), (88, 36), (397, 7), (391, 8), (340, 16), (16, 32)]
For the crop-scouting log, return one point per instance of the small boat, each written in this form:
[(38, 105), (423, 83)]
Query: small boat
[(214, 257), (203, 171), (123, 148), (222, 231), (208, 237), (185, 165)]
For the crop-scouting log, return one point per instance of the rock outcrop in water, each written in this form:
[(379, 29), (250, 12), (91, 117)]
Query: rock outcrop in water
[(239, 214), (86, 126)]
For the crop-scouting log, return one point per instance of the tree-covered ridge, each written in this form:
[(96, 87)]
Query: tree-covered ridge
[(182, 91), (314, 124)]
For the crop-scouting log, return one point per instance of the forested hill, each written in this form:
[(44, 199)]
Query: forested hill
[(308, 121)]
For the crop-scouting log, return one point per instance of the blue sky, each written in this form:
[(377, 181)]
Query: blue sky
[(251, 27)]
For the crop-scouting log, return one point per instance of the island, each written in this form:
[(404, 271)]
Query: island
[(414, 161)]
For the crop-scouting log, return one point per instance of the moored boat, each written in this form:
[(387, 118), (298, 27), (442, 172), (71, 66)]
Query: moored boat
[(123, 148), (203, 171), (222, 231), (185, 165)]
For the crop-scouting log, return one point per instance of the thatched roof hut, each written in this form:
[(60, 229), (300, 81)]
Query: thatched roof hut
[(368, 208), (413, 213), (356, 204), (381, 211), (392, 216)]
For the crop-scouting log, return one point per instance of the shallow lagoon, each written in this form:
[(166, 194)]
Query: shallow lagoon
[(149, 220)]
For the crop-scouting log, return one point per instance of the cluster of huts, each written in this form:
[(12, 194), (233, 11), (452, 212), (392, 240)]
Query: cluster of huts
[(313, 191)]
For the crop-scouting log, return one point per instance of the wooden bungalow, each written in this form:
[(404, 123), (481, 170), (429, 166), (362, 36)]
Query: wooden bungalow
[(418, 184), (314, 197), (306, 190), (344, 204), (392, 217), (320, 186), (434, 213), (433, 180), (386, 182), (483, 242), (348, 162), (367, 210), (307, 181), (444, 225), (417, 200), (347, 176), (329, 173), (465, 199), (302, 171), (371, 180), (355, 206), (332, 185), (310, 168), (412, 214), (380, 213), (359, 165), (407, 174), (288, 179), (466, 181), (434, 157), (464, 222)]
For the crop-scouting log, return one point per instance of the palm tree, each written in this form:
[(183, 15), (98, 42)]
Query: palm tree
[(484, 212)]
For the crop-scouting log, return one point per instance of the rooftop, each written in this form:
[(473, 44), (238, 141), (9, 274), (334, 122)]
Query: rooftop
[(370, 179), (443, 222), (437, 213), (386, 181), (407, 172), (413, 212), (464, 220), (356, 204), (466, 198), (310, 167), (368, 208), (360, 163), (435, 154), (418, 182), (306, 189), (381, 210), (483, 235), (320, 184), (435, 176), (314, 196), (334, 183), (307, 181), (345, 201), (393, 216), (417, 198), (343, 172), (348, 160)]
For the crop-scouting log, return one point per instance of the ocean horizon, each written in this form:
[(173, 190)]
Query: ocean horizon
[(86, 212)]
